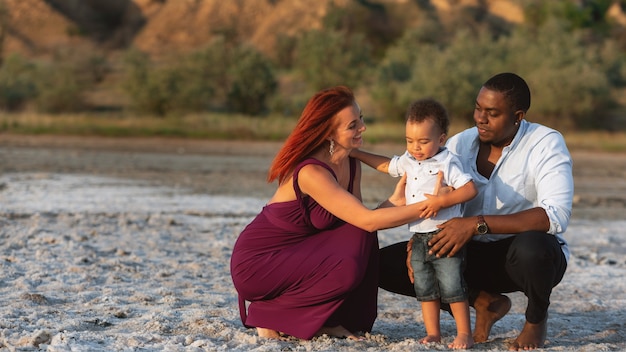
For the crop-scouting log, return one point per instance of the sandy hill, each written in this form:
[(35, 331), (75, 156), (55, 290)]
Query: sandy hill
[(38, 27)]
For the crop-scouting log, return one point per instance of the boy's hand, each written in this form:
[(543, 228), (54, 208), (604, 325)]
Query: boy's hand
[(430, 206)]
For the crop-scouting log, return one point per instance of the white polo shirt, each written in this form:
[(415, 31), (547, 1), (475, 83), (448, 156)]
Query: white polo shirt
[(422, 178)]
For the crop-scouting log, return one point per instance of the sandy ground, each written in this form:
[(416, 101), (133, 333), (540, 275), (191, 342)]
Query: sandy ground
[(123, 244)]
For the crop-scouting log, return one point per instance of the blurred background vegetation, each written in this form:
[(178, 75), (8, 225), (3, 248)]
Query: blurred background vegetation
[(572, 54)]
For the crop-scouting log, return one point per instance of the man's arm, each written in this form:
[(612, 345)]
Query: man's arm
[(457, 232)]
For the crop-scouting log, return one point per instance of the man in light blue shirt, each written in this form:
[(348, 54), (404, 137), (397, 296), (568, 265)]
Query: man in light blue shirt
[(514, 227)]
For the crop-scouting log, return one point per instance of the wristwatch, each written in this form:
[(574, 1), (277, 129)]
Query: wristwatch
[(481, 226)]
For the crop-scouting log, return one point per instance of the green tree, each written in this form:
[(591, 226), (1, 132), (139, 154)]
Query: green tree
[(16, 83), (326, 59), (217, 77), (252, 81), (416, 68), (62, 83), (4, 26), (149, 88), (204, 78), (569, 78), (454, 74)]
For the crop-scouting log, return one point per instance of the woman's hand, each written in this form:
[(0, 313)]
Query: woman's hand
[(440, 187), (398, 197), (454, 234)]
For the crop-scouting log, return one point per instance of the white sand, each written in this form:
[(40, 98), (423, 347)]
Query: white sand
[(97, 263)]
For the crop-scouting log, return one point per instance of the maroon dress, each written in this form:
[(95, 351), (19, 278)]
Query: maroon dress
[(301, 268)]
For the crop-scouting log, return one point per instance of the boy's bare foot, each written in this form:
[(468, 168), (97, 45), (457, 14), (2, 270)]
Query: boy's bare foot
[(532, 336), (338, 331), (431, 339), (268, 333), (461, 342), (489, 309)]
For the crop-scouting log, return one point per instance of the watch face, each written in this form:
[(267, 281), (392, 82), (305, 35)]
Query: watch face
[(482, 229)]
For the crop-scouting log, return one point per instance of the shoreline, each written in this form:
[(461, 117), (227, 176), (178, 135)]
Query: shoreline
[(238, 168)]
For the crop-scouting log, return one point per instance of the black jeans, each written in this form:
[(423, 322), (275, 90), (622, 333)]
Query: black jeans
[(531, 262)]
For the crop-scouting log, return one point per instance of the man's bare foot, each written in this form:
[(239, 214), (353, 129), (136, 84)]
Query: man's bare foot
[(268, 333), (338, 331), (461, 342), (489, 309), (430, 339), (532, 336)]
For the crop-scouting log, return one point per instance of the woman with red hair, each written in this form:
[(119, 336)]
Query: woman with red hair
[(308, 263)]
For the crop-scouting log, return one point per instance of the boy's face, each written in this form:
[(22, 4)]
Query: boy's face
[(423, 139)]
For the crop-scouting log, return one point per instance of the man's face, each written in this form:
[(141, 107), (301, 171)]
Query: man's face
[(494, 118)]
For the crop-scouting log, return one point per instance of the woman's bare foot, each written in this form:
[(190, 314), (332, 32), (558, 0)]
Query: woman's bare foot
[(489, 309), (532, 336), (268, 333), (461, 342), (338, 331), (430, 339)]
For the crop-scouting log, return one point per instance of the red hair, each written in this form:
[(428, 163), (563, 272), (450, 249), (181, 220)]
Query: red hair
[(316, 123)]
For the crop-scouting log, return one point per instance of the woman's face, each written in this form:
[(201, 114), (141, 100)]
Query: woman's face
[(494, 118), (350, 126), (423, 138)]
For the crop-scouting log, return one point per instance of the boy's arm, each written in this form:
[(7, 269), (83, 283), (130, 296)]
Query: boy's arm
[(375, 161), (434, 203), (457, 196)]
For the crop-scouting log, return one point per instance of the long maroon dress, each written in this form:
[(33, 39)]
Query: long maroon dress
[(301, 268)]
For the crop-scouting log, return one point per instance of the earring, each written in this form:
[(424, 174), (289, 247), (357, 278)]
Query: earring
[(332, 147)]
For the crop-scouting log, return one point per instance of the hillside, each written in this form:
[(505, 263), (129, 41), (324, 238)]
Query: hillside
[(38, 27)]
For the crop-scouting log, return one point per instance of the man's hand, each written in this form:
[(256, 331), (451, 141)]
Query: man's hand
[(454, 234)]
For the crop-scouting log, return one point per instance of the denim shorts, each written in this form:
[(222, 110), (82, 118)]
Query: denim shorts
[(437, 278)]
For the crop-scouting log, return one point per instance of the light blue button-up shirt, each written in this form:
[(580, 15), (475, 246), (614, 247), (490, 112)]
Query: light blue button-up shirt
[(535, 170)]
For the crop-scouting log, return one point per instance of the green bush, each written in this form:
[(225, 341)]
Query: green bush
[(59, 88), (325, 58), (451, 74), (149, 88), (454, 75), (215, 78), (252, 81), (16, 83), (570, 79), (203, 79)]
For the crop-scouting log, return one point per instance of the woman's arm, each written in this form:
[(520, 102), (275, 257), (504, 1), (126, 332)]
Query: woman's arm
[(375, 161), (318, 183)]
